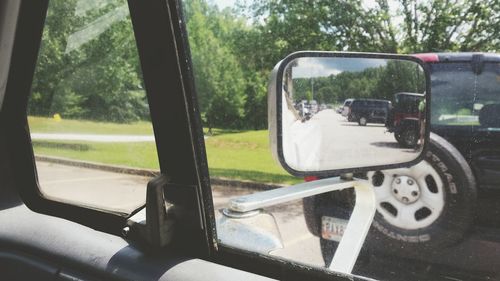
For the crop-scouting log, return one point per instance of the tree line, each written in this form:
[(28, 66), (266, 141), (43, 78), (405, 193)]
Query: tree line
[(234, 50), (380, 82)]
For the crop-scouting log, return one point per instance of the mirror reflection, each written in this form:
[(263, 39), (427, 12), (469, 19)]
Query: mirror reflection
[(341, 113)]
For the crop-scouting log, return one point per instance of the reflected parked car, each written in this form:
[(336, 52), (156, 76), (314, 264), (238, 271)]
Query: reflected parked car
[(366, 111), (404, 118)]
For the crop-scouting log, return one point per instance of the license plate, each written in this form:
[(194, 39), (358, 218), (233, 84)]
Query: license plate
[(332, 228)]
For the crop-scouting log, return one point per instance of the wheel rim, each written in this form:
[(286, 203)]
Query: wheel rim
[(362, 121), (409, 198)]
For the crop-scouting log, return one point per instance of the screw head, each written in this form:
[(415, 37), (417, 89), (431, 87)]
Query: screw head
[(398, 181), (126, 231), (414, 193), (410, 182), (395, 191)]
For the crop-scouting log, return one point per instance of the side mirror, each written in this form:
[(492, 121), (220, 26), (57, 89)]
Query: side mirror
[(332, 113)]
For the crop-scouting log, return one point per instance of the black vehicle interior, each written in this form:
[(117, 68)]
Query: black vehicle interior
[(489, 116)]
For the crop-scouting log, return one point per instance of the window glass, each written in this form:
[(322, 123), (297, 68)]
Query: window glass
[(428, 234), (88, 113), (453, 85), (460, 94), (487, 101)]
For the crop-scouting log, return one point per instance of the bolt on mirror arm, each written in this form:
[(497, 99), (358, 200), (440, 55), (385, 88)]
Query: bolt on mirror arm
[(357, 228)]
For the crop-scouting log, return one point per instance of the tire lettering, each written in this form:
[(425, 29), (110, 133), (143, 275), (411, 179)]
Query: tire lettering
[(435, 158), (442, 166), (449, 177), (453, 188), (401, 237)]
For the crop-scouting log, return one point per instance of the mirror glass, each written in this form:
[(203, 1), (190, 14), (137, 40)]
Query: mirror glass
[(344, 112)]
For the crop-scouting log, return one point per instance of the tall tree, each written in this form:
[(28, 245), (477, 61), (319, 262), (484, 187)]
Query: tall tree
[(451, 25), (218, 76), (88, 65)]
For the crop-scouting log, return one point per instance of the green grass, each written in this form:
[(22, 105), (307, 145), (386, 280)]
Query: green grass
[(138, 155), (49, 125), (242, 155)]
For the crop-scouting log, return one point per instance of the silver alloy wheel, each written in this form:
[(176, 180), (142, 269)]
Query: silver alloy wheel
[(362, 121), (409, 198)]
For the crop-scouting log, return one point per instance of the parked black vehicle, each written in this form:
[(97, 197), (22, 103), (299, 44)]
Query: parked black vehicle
[(456, 186), (404, 120), (366, 111)]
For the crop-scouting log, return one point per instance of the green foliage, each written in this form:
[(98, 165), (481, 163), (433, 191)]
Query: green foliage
[(455, 25), (99, 79), (233, 52), (219, 79), (464, 111), (375, 82)]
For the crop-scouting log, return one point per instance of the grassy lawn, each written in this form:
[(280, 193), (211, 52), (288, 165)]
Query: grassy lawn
[(138, 154), (49, 125), (243, 155)]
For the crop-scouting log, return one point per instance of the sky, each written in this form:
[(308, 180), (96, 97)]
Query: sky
[(230, 3), (225, 3), (326, 66)]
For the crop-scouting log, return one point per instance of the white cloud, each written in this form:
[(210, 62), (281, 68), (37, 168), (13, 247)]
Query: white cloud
[(308, 67), (313, 67)]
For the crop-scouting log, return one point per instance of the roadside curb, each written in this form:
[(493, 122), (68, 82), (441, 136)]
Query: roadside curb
[(152, 173)]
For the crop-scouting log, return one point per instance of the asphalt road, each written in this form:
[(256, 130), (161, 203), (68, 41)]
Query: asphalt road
[(124, 193), (327, 141)]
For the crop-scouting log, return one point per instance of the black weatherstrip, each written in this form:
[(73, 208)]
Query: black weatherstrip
[(165, 61)]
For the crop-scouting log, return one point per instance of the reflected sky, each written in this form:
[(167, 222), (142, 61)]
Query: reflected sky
[(324, 67)]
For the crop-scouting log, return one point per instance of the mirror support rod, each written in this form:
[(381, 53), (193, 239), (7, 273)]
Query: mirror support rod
[(282, 195), (357, 228)]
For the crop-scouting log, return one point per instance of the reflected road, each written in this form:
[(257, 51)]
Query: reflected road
[(328, 141)]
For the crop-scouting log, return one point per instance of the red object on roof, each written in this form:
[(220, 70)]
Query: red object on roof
[(310, 178), (427, 57)]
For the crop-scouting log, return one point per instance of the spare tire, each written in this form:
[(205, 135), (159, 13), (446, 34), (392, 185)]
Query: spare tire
[(419, 209), (434, 211)]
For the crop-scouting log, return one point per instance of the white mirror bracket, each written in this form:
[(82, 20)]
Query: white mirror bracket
[(357, 228)]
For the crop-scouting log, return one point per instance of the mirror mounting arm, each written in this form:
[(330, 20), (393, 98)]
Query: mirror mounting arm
[(359, 223), (282, 195)]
